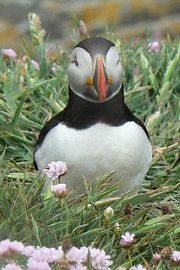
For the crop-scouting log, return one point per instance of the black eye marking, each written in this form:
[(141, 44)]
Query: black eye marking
[(75, 61), (118, 61)]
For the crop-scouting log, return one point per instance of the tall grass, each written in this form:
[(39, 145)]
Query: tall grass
[(29, 97)]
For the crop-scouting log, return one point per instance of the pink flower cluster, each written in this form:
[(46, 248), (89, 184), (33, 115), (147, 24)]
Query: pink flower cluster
[(154, 46), (35, 64), (8, 248), (10, 53), (175, 256), (99, 259), (55, 169), (37, 265), (38, 254), (12, 266), (78, 258), (40, 258), (127, 240)]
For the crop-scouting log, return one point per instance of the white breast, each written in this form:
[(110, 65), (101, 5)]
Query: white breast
[(97, 150)]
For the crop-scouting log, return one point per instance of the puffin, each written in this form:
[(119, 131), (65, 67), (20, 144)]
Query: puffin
[(96, 133)]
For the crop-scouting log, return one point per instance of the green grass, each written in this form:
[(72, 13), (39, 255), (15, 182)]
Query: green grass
[(28, 98)]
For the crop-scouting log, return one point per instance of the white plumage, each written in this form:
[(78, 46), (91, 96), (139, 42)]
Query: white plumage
[(97, 150)]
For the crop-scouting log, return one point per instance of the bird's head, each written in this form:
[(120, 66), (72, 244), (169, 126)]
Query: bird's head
[(95, 70)]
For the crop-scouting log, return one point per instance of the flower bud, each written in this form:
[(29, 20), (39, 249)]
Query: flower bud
[(59, 190), (117, 228), (166, 253), (154, 47), (82, 28), (156, 258), (153, 119), (108, 213), (128, 209), (35, 64), (166, 209)]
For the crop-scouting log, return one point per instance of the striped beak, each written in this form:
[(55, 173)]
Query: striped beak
[(100, 78)]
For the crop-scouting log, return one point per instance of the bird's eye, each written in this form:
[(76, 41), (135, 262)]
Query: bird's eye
[(75, 61)]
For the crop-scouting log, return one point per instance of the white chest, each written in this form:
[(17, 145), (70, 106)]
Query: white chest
[(97, 150)]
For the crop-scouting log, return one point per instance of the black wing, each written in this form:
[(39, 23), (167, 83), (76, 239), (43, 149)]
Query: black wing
[(48, 126)]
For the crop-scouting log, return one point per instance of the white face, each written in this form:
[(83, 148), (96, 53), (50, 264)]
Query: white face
[(89, 77)]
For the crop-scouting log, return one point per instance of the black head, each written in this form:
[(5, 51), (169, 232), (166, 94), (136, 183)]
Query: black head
[(96, 45), (95, 71)]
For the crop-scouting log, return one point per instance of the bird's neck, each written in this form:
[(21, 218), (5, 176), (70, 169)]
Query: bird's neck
[(81, 113)]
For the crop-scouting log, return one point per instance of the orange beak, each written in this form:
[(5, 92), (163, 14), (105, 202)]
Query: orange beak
[(100, 79)]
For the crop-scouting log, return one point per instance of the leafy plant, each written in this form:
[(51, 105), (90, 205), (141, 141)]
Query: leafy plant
[(29, 96)]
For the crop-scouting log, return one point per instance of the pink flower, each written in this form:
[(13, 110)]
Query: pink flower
[(154, 47), (127, 240), (138, 267), (82, 28), (59, 190), (12, 266), (35, 64), (28, 251), (45, 254), (156, 258), (175, 256), (100, 261), (8, 248), (9, 53), (77, 255), (34, 265), (77, 267), (55, 169)]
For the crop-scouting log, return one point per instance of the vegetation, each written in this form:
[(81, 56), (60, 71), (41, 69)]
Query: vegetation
[(30, 95)]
